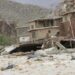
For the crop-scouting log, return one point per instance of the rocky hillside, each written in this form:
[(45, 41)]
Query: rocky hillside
[(20, 13)]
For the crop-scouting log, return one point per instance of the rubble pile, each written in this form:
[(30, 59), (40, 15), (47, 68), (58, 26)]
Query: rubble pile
[(40, 62)]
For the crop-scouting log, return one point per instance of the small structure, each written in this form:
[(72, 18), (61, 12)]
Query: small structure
[(22, 34)]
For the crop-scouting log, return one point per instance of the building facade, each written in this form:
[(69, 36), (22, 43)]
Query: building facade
[(39, 28), (68, 25)]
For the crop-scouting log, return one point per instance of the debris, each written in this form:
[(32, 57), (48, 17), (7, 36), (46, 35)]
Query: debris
[(61, 47), (8, 49), (10, 66), (19, 54), (51, 58), (28, 62), (73, 56), (1, 49), (49, 65), (52, 50), (40, 53), (31, 56), (38, 59), (43, 53)]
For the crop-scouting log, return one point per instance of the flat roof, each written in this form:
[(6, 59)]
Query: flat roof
[(44, 19), (38, 20), (48, 17)]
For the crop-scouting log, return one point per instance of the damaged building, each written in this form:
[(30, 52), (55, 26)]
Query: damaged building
[(67, 27), (34, 33), (40, 27)]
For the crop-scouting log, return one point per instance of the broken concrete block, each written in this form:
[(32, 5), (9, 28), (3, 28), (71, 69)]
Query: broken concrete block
[(51, 50), (73, 56), (8, 49), (60, 46), (10, 66), (40, 53)]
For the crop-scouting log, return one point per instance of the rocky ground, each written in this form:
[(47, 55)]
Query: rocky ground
[(55, 64)]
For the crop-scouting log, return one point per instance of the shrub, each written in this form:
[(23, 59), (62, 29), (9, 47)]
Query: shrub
[(5, 40)]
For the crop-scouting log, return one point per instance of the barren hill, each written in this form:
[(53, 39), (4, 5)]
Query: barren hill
[(20, 13)]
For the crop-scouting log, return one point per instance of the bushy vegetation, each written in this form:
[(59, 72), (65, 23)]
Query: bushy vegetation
[(5, 40)]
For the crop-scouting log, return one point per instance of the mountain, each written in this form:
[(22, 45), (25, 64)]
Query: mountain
[(20, 13)]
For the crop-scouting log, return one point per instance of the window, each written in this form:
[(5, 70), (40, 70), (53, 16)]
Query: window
[(46, 23), (73, 15), (52, 23), (34, 34), (32, 26), (64, 18)]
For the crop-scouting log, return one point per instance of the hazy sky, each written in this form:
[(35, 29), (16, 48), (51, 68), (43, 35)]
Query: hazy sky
[(43, 3)]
